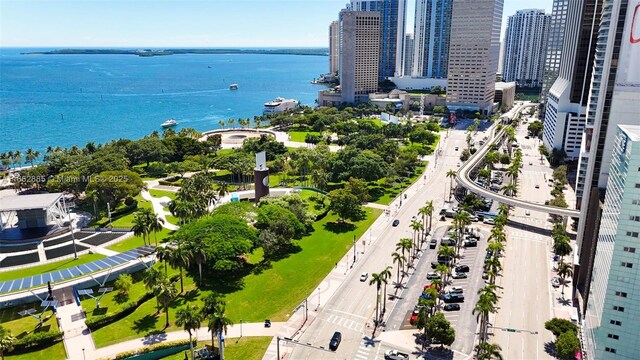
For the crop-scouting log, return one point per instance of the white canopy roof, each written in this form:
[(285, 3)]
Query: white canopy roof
[(26, 202)]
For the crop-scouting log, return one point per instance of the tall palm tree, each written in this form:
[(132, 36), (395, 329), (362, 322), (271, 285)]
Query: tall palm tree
[(231, 123), (564, 270), (140, 227), (447, 251), (222, 124), (460, 221), (443, 270), (10, 156), (386, 274), (493, 264), (152, 277), (219, 323), (181, 209), (377, 279), (399, 259), (17, 158), (429, 208), (451, 174), (482, 309), (166, 293), (497, 234), (415, 226), (562, 248), (189, 317), (197, 254), (511, 189), (30, 156), (5, 159), (487, 351), (154, 223), (404, 244), (7, 341), (495, 247), (164, 253), (180, 259)]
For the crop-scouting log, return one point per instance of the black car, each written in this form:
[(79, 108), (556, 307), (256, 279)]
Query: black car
[(462, 268), (335, 341), (433, 243), (470, 243), (452, 307), (395, 222), (434, 264)]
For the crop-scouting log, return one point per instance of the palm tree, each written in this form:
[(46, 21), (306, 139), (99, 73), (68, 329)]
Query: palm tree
[(404, 244), (495, 247), (189, 318), (564, 270), (231, 122), (164, 253), (398, 258), (197, 254), (222, 124), (443, 270), (140, 227), (377, 279), (6, 341), (180, 259), (451, 174), (30, 156), (510, 189), (487, 351), (447, 251), (17, 158), (153, 277), (211, 303), (493, 264), (154, 223), (426, 210), (386, 274), (497, 234), (183, 210), (218, 323), (460, 221), (415, 226), (166, 293), (482, 309)]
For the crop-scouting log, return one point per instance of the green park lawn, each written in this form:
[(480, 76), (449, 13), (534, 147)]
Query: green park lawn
[(289, 280), (245, 348), (172, 219), (299, 136), (389, 193), (136, 241), (41, 269), (160, 193), (55, 351), (20, 326)]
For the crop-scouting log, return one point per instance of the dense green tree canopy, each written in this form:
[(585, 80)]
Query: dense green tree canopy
[(114, 186), (225, 239)]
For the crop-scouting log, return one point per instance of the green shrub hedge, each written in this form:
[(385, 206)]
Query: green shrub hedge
[(98, 322), (153, 347), (37, 340)]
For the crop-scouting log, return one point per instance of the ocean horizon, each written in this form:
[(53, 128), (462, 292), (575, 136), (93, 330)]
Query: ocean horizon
[(66, 100)]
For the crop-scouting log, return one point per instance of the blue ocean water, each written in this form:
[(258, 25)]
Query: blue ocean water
[(65, 100)]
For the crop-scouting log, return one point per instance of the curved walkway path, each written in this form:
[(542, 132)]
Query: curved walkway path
[(463, 179), (157, 205)]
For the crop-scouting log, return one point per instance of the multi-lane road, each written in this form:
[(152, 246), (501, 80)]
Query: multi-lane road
[(352, 309)]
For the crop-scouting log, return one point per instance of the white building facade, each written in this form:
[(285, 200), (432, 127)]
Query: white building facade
[(525, 47), (432, 31)]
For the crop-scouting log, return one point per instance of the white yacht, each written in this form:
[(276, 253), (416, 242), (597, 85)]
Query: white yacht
[(279, 105), (233, 87), (169, 123)]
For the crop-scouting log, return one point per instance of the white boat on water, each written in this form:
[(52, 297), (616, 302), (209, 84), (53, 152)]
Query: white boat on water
[(169, 123), (279, 105), (233, 87)]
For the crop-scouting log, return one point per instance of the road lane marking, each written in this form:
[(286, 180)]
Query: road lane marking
[(348, 313)]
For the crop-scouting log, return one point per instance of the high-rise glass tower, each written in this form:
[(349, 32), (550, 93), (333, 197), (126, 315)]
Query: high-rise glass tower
[(408, 55), (432, 30), (334, 47), (565, 104), (392, 33), (555, 39), (525, 47), (473, 54), (612, 317)]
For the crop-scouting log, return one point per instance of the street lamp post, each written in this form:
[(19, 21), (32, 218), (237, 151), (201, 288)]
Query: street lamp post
[(354, 249), (318, 299), (240, 327)]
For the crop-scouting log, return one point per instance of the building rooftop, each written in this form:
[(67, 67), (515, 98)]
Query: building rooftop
[(632, 131), (26, 202), (505, 85)]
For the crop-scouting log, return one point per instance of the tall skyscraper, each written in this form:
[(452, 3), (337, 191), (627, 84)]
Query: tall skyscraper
[(555, 39), (392, 33), (408, 55), (612, 318), (525, 47), (608, 170), (334, 47), (473, 54), (565, 105), (359, 54), (432, 31)]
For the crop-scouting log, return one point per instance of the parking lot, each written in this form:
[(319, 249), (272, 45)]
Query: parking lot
[(463, 321)]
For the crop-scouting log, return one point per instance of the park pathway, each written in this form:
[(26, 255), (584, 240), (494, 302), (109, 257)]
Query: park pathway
[(202, 334), (71, 318), (157, 206)]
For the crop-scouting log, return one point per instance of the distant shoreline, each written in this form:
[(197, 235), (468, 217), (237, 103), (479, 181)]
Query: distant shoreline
[(165, 52)]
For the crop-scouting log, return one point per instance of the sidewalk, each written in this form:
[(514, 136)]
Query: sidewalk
[(296, 324), (202, 334), (77, 337), (157, 206)]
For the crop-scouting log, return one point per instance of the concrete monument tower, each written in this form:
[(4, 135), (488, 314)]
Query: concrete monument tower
[(261, 176)]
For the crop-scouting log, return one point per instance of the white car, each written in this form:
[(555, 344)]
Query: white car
[(432, 275), (457, 275), (555, 282), (414, 218), (527, 212), (456, 290), (364, 276), (489, 221)]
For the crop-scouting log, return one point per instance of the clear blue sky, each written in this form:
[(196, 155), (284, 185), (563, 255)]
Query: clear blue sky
[(164, 23)]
